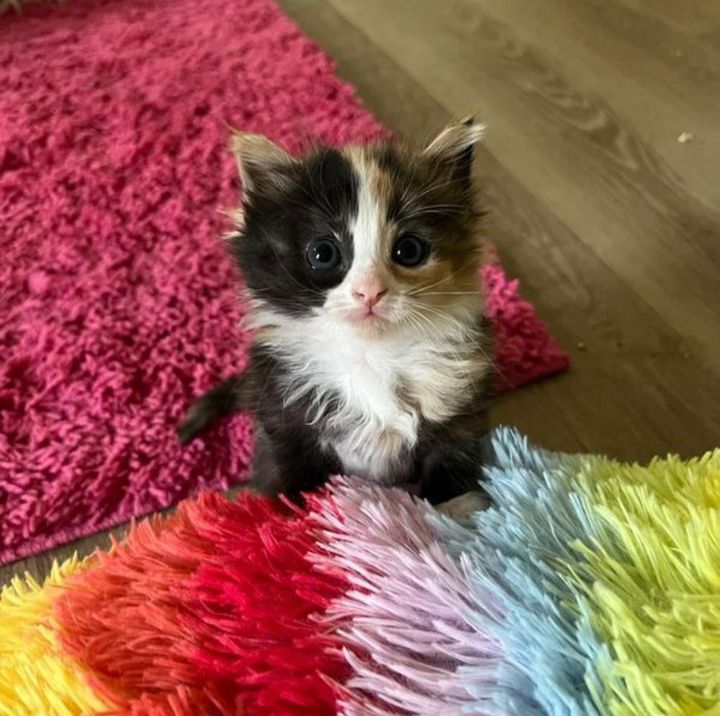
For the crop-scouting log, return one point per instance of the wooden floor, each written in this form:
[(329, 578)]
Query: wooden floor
[(612, 224)]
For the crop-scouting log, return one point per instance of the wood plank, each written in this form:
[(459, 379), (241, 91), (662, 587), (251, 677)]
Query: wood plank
[(395, 98), (659, 82), (602, 179), (39, 566), (700, 18)]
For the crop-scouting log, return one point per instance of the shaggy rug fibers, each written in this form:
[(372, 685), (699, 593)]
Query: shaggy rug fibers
[(589, 588), (118, 302)]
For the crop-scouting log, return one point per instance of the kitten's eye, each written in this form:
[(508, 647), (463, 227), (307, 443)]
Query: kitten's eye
[(410, 251), (323, 253)]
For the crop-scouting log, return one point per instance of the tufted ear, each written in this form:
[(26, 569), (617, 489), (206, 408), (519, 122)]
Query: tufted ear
[(262, 164), (454, 146)]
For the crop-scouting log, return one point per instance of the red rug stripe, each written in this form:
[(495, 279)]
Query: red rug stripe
[(213, 612)]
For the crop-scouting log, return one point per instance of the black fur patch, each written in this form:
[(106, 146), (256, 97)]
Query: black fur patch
[(317, 199)]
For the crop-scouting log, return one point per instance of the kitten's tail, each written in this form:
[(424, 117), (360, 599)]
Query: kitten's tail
[(231, 396)]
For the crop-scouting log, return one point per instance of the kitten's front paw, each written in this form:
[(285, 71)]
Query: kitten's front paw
[(462, 508)]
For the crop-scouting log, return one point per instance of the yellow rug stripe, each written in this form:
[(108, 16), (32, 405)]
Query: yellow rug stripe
[(36, 679), (654, 567)]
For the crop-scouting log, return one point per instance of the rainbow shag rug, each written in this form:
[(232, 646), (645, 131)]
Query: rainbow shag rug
[(590, 587)]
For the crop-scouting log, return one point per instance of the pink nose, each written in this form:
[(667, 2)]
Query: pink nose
[(369, 291)]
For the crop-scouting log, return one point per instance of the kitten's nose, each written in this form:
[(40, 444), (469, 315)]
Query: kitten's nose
[(369, 291)]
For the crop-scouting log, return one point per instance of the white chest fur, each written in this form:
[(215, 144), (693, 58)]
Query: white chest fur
[(384, 388)]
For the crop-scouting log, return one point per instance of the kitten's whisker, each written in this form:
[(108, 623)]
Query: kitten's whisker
[(420, 289), (450, 293), (438, 209), (490, 360), (435, 186), (463, 363), (416, 311), (416, 324), (437, 312)]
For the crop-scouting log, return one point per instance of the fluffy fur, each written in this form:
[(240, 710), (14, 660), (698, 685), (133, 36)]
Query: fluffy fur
[(371, 357)]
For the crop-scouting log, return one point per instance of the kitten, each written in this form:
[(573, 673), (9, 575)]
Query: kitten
[(371, 350)]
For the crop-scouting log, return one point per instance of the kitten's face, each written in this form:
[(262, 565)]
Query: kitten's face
[(377, 239)]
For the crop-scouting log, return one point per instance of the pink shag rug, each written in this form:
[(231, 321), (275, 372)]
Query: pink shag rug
[(118, 302)]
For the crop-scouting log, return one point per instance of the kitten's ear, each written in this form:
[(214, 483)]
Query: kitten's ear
[(262, 164), (454, 146)]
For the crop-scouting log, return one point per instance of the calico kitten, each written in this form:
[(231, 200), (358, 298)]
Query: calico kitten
[(371, 350)]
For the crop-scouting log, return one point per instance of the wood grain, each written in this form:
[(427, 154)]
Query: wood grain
[(611, 224), (39, 566), (699, 18), (658, 81)]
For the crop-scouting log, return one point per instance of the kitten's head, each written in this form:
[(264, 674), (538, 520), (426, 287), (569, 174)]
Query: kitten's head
[(378, 238)]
